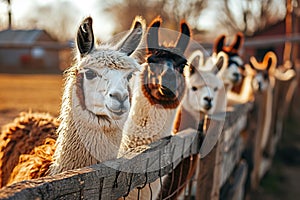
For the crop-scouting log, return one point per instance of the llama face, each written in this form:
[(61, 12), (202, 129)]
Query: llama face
[(233, 73), (164, 76), (163, 80), (202, 92), (260, 81), (262, 71), (103, 73), (106, 92)]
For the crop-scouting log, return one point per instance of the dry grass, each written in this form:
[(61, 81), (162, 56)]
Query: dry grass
[(41, 93)]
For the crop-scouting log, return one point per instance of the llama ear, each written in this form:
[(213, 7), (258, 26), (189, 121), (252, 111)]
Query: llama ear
[(252, 62), (195, 62), (221, 62), (184, 38), (85, 37), (269, 64), (219, 44), (237, 42), (270, 60), (196, 59), (133, 39), (189, 70), (152, 36), (249, 68)]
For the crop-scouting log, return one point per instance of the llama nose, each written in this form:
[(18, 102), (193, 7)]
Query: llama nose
[(118, 96), (208, 102), (169, 80), (259, 86), (236, 76)]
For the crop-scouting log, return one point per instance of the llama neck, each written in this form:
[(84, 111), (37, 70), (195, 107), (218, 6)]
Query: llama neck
[(83, 142), (79, 146), (187, 119), (147, 120), (267, 113), (246, 93), (227, 86)]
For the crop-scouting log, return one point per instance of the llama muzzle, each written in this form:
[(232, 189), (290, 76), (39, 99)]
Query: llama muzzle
[(168, 83)]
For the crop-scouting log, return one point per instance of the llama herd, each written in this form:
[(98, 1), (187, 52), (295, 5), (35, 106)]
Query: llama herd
[(114, 105)]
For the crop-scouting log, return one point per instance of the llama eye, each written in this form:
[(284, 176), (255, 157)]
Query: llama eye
[(181, 67), (90, 74), (215, 89), (194, 88), (129, 76), (151, 59)]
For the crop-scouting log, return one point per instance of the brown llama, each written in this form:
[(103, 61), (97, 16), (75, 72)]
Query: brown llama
[(202, 100), (158, 94), (232, 75)]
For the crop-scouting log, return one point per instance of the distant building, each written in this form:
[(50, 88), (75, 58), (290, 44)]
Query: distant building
[(272, 38), (27, 51), (273, 31)]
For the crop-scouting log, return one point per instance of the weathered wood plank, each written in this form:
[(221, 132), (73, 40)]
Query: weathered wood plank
[(88, 178), (257, 146), (206, 175), (233, 189), (211, 173), (231, 148)]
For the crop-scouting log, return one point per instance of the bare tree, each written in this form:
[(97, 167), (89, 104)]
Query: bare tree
[(172, 11), (252, 15), (230, 16)]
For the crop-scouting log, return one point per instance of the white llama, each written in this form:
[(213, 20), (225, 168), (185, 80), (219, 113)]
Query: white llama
[(95, 100), (203, 90), (159, 91), (95, 104), (201, 102)]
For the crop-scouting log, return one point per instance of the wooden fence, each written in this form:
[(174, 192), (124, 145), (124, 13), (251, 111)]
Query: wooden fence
[(222, 174), (103, 182)]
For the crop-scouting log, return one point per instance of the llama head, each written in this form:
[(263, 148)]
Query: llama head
[(103, 73), (202, 86), (163, 80), (285, 72), (262, 72), (233, 73)]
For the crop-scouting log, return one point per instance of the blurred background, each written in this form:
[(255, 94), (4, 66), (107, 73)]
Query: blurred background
[(37, 40)]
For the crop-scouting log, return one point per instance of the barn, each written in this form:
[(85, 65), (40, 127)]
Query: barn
[(27, 51)]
